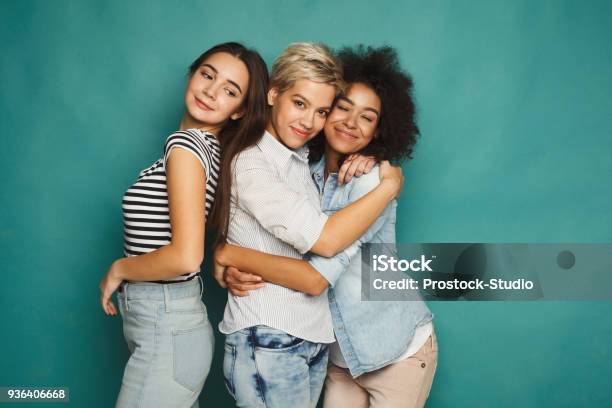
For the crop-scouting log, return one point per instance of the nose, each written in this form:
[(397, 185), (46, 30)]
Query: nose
[(307, 121), (210, 90), (351, 120)]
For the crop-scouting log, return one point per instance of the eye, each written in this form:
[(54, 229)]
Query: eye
[(230, 92), (342, 108), (299, 103), (206, 75), (323, 113), (369, 119)]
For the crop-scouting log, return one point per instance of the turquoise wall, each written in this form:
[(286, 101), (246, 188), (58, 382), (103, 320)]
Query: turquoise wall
[(514, 107)]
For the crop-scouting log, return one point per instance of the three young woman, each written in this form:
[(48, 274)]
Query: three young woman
[(277, 338), (386, 352), (164, 319)]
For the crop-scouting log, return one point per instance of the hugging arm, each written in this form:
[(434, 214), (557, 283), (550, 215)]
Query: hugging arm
[(311, 277), (294, 219)]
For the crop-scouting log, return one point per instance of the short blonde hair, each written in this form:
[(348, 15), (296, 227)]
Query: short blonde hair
[(314, 62)]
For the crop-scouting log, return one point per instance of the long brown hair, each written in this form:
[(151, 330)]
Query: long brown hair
[(240, 134)]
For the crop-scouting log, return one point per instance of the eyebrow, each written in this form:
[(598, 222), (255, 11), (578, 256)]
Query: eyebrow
[(344, 98), (308, 102), (229, 80)]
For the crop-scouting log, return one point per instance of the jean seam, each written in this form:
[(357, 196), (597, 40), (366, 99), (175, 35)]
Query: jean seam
[(258, 376), (230, 379), (155, 353)]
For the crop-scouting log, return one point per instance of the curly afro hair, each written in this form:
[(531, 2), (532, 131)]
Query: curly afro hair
[(397, 131)]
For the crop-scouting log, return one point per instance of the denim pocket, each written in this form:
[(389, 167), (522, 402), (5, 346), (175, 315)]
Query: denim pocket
[(229, 362), (192, 356), (277, 341)]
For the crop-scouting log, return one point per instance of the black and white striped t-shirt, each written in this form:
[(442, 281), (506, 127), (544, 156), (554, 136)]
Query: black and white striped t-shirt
[(145, 204)]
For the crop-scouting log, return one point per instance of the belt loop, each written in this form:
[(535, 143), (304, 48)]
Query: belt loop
[(125, 296), (201, 285), (166, 297)]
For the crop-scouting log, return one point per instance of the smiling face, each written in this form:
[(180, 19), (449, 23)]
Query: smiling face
[(352, 123), (215, 92), (299, 112)]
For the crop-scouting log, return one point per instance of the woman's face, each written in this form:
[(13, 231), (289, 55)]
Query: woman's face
[(299, 112), (216, 90), (352, 123)]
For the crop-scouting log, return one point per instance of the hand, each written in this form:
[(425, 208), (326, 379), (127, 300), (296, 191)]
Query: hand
[(355, 165), (219, 273), (219, 265), (393, 176), (108, 285), (240, 283)]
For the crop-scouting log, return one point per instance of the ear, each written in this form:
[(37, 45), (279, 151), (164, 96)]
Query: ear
[(272, 95), (237, 115)]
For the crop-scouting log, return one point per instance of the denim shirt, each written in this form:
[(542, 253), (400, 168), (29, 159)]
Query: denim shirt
[(371, 334)]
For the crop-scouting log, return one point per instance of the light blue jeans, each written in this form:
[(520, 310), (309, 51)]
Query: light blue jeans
[(265, 367), (171, 344)]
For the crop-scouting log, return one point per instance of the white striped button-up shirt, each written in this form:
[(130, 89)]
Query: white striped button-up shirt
[(275, 208)]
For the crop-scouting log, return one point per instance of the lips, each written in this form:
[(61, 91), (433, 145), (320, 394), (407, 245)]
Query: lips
[(299, 133), (345, 134), (202, 105)]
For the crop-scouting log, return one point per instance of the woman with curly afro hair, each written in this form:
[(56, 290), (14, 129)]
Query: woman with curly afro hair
[(386, 351)]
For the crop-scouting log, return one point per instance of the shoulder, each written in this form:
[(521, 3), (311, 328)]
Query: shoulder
[(195, 136), (251, 158)]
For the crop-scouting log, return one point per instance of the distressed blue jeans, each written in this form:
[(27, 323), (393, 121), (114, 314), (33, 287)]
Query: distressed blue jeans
[(265, 367), (171, 344)]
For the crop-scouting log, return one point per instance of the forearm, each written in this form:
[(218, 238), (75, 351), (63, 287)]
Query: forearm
[(284, 271), (163, 263), (349, 224)]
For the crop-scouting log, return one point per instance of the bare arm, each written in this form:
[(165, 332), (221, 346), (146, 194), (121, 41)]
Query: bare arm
[(185, 179), (347, 225), (284, 271)]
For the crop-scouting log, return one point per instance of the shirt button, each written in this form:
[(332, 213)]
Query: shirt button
[(350, 354), (423, 365), (340, 327)]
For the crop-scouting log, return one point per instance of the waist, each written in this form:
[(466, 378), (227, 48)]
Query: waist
[(162, 291), (292, 312)]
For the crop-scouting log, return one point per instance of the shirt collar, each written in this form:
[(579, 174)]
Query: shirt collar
[(280, 153), (317, 171)]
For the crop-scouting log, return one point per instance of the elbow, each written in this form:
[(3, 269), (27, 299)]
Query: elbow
[(190, 261), (326, 248), (318, 286)]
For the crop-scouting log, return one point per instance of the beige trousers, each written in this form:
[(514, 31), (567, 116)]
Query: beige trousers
[(402, 384)]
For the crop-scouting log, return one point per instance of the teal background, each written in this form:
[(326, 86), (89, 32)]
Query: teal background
[(514, 108)]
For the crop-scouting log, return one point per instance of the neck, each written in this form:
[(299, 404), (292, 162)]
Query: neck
[(332, 158), (188, 122)]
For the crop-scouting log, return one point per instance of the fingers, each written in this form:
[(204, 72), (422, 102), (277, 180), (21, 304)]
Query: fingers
[(241, 283), (355, 165), (343, 169), (107, 305), (111, 308), (245, 287), (219, 274), (238, 276), (237, 292), (347, 171)]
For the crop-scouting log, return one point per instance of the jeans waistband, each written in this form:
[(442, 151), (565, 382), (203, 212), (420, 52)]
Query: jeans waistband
[(162, 291)]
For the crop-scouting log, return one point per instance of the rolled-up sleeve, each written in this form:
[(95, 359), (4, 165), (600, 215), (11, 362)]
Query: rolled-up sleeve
[(284, 212), (331, 268)]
